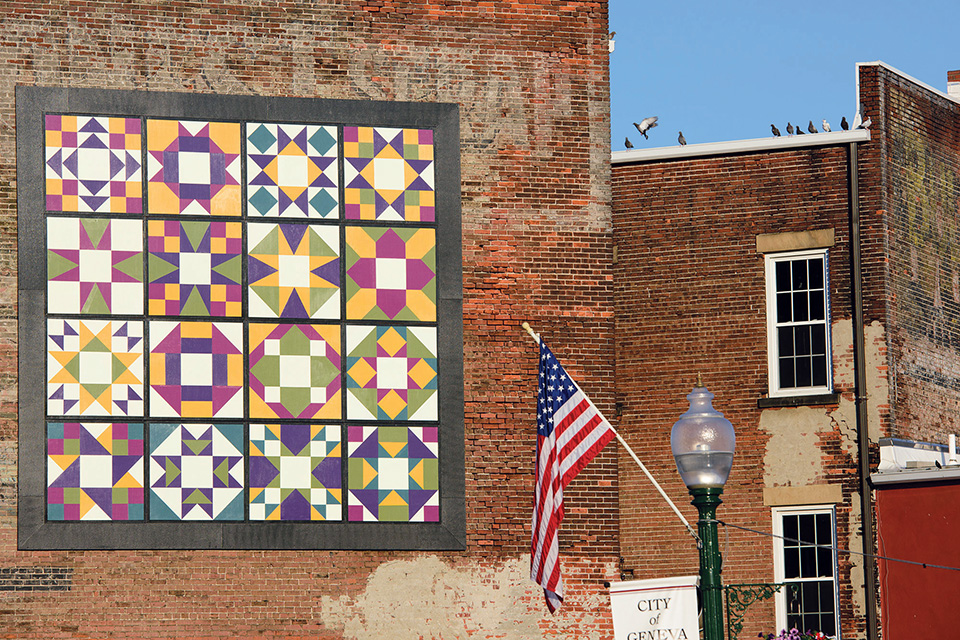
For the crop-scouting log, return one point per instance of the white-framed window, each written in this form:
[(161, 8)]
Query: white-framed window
[(805, 560), (798, 323)]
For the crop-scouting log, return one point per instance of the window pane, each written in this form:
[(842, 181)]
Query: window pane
[(807, 524), (791, 530), (816, 273), (799, 269), (824, 562), (802, 340), (818, 339), (828, 619), (808, 562), (785, 341), (784, 309), (801, 310), (804, 372), (791, 563), (819, 371), (824, 528), (782, 270), (787, 375), (817, 310)]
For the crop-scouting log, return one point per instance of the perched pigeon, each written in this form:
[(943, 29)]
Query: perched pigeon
[(789, 129), (645, 125), (681, 139), (866, 123), (627, 143), (799, 130), (844, 124), (826, 125), (811, 128), (856, 121), (776, 132)]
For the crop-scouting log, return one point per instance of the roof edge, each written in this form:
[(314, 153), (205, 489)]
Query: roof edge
[(909, 78), (740, 146)]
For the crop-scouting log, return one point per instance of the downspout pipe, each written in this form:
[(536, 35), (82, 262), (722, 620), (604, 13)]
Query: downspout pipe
[(860, 391)]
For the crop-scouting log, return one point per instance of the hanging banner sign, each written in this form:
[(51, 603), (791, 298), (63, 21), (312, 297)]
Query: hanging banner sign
[(661, 609)]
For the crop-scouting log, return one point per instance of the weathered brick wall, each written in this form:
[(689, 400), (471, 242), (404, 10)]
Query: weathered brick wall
[(917, 138), (690, 299), (531, 79)]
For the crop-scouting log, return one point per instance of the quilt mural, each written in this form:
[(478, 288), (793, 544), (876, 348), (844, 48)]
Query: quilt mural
[(240, 318)]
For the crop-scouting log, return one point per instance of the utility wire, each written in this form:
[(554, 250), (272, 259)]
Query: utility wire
[(925, 565)]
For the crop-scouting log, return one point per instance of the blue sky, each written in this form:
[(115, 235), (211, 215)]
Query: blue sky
[(727, 70)]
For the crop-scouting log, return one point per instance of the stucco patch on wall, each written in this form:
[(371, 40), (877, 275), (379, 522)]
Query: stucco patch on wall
[(427, 598), (792, 456)]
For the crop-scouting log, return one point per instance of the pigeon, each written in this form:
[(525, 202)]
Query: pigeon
[(844, 124), (789, 129), (799, 130), (866, 123), (627, 143), (856, 121), (811, 128), (645, 125), (776, 132), (681, 139), (826, 126)]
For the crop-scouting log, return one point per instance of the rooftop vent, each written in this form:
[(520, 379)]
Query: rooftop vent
[(953, 84)]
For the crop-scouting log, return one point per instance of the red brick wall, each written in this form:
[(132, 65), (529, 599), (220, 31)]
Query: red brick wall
[(531, 79), (690, 299), (917, 140)]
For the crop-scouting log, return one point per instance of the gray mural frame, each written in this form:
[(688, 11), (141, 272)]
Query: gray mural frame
[(34, 530)]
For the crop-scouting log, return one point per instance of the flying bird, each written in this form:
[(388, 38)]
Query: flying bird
[(681, 139), (866, 123), (645, 125), (811, 128), (857, 120), (627, 143), (844, 124), (776, 132), (826, 125), (789, 129)]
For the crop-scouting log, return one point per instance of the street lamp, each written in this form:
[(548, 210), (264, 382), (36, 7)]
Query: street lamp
[(703, 443)]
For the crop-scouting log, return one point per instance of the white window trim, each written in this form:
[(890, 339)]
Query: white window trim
[(773, 365), (780, 597)]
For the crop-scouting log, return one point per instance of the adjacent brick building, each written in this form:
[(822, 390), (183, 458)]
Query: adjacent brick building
[(811, 280), (530, 87)]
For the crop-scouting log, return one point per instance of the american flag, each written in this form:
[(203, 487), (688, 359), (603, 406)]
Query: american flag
[(570, 432)]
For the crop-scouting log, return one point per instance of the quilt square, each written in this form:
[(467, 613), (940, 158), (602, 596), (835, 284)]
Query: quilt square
[(293, 271), (196, 369), (196, 472), (93, 164), (294, 371), (391, 373), (194, 167), (391, 274), (94, 265), (195, 268), (295, 472), (94, 368), (292, 170), (388, 174), (393, 474), (94, 471)]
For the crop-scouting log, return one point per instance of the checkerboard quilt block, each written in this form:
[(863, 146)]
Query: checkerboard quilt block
[(196, 369), (295, 472), (391, 274), (196, 472), (195, 268), (93, 164), (194, 167), (94, 368), (293, 271), (294, 371), (94, 265), (391, 373), (392, 474), (94, 471), (388, 174), (292, 170)]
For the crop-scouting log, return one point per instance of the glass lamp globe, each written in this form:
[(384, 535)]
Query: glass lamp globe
[(703, 442)]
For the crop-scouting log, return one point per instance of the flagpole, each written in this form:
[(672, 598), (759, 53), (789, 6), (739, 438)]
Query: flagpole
[(536, 337)]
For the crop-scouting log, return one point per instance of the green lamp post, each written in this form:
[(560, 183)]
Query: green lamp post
[(703, 443)]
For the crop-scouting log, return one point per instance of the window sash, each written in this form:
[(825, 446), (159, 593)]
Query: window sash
[(798, 323), (815, 605)]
